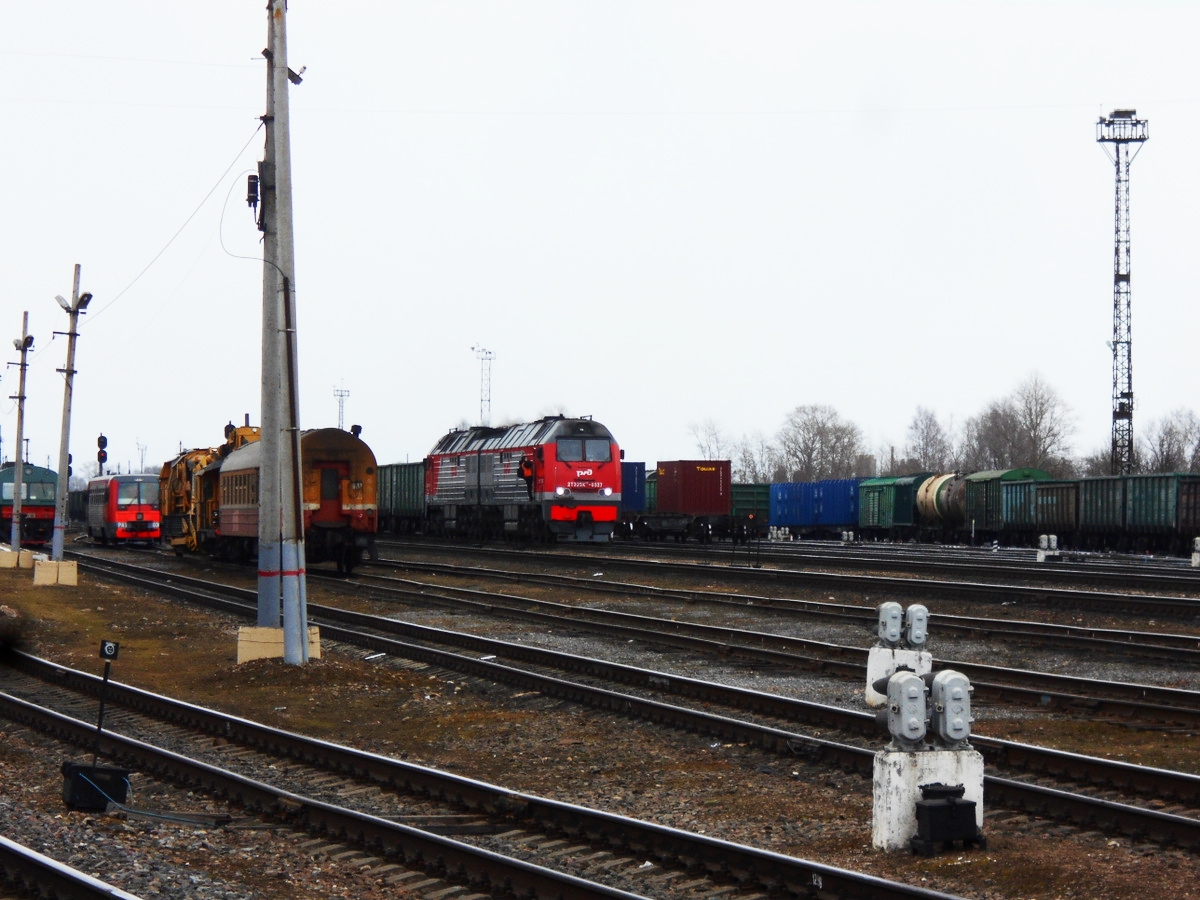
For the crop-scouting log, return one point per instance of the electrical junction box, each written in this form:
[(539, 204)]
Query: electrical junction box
[(93, 787), (944, 817)]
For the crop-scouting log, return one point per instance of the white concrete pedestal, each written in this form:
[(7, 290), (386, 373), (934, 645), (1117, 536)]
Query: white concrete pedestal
[(898, 777), (882, 662)]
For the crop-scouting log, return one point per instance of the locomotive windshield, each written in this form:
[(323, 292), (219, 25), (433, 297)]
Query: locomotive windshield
[(36, 490), (137, 492), (584, 450)]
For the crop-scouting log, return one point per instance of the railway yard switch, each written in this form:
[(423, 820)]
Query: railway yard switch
[(928, 780), (902, 635)]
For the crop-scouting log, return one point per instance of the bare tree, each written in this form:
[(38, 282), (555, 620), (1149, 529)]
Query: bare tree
[(1045, 422), (929, 446), (1032, 427), (816, 443), (1098, 462), (756, 461), (1172, 444), (710, 440)]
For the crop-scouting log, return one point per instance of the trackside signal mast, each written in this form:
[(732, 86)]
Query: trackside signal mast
[(1126, 133)]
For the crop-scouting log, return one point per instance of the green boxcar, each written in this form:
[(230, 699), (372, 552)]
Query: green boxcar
[(1057, 507), (752, 501), (983, 500), (401, 497), (877, 503), (1152, 503), (1018, 500), (1102, 504)]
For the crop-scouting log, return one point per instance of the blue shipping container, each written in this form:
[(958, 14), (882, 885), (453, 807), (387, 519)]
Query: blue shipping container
[(633, 487), (792, 504), (835, 503)]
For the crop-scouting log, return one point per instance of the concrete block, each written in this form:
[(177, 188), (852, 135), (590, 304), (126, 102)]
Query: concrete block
[(255, 642), (68, 572), (25, 559), (898, 776), (882, 662), (45, 572), (8, 559)]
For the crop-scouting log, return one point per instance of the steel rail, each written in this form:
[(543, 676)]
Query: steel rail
[(40, 876), (876, 584), (1161, 783), (721, 859), (1036, 689), (1175, 647)]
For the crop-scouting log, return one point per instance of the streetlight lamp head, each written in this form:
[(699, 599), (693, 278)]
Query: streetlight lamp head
[(62, 301), (84, 299)]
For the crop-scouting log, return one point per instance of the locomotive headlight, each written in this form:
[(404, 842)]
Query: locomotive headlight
[(607, 492), (562, 491)]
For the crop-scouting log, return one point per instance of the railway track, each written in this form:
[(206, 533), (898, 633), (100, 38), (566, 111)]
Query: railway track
[(1168, 575), (1180, 648), (1176, 606), (1139, 702), (1071, 795), (26, 872), (558, 837)]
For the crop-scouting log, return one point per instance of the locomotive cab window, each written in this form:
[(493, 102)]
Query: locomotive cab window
[(38, 490), (130, 493), (584, 450)]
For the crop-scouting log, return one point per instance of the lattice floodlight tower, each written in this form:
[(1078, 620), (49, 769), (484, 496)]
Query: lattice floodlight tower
[(1126, 133), (485, 357)]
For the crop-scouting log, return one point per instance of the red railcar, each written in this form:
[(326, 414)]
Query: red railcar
[(338, 483), (544, 480), (123, 508)]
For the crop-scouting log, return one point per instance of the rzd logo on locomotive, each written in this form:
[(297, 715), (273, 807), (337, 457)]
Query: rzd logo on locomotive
[(582, 473)]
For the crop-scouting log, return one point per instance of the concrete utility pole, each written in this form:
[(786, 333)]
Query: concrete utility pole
[(1126, 133), (74, 308), (23, 344), (281, 565)]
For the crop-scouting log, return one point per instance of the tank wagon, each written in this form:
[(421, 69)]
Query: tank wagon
[(38, 492), (556, 478)]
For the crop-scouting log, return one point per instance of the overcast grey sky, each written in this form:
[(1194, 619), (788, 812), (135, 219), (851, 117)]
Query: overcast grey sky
[(654, 213)]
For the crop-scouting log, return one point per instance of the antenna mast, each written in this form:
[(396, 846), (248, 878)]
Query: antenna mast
[(1126, 133), (485, 384)]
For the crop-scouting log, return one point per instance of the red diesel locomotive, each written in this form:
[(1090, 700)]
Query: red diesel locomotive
[(544, 480)]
